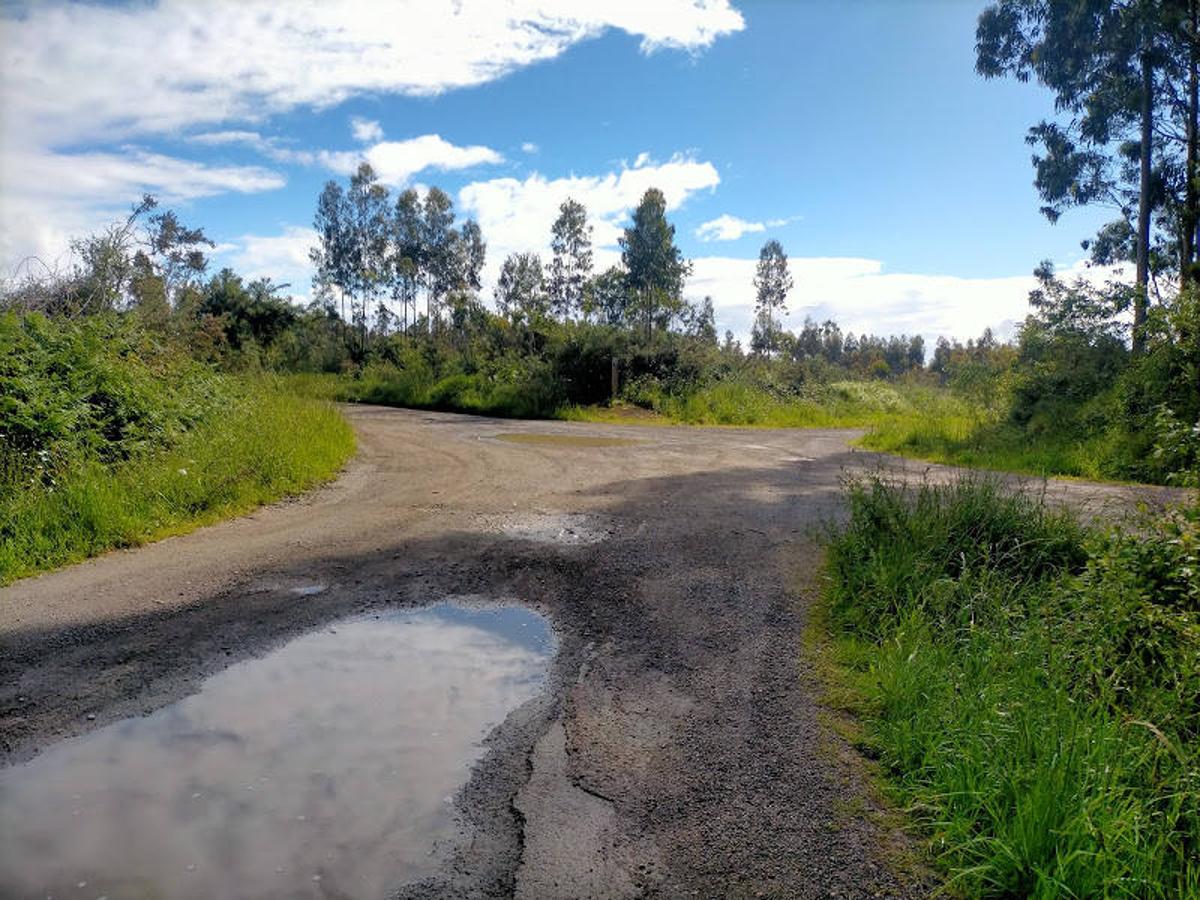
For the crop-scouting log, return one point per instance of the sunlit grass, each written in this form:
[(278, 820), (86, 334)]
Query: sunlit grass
[(269, 443), (1027, 687), (916, 420)]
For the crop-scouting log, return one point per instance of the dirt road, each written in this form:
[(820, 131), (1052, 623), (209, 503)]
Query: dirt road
[(679, 750)]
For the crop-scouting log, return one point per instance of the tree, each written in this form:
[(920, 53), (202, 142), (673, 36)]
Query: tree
[(408, 253), (175, 251), (1130, 136), (772, 282), (520, 291), (608, 295), (655, 266), (369, 223), (252, 312), (471, 255), (571, 264), (438, 241), (331, 258), (702, 323)]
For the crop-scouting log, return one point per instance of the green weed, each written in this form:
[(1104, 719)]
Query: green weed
[(1032, 688)]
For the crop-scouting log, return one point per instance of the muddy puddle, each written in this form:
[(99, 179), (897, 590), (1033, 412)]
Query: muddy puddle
[(566, 440), (327, 768)]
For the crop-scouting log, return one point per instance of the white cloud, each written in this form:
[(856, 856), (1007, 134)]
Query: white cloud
[(730, 228), (270, 147), (281, 257), (727, 228), (529, 147), (516, 214), (84, 71), (47, 198), (395, 162), (74, 74), (366, 131), (861, 297)]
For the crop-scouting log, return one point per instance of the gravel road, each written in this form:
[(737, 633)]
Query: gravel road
[(679, 750)]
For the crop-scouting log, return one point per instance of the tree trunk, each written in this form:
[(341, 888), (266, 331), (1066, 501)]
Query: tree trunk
[(1141, 285), (1191, 203)]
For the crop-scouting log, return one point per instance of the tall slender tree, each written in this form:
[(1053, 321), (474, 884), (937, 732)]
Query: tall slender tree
[(407, 253), (772, 283), (439, 240), (1124, 76), (655, 267), (521, 291), (571, 263), (331, 257), (370, 232)]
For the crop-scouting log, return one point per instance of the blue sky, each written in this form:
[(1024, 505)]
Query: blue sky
[(856, 133)]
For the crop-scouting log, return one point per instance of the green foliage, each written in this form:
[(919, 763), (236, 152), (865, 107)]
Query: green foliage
[(94, 388), (1029, 686), (109, 438)]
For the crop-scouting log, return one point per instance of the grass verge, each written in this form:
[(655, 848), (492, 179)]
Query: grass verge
[(264, 443), (1030, 688), (905, 418)]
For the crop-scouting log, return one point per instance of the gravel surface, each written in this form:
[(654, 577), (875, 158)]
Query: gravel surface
[(678, 751)]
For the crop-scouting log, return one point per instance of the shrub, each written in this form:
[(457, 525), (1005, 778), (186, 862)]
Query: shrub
[(1030, 686)]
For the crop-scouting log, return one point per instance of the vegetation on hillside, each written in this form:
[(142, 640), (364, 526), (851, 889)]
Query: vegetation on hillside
[(110, 437), (1028, 685)]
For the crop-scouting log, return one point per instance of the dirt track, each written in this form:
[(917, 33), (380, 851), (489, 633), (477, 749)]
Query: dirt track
[(678, 752)]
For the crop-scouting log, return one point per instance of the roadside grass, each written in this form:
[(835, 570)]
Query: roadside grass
[(910, 419), (266, 444), (1029, 687), (957, 437)]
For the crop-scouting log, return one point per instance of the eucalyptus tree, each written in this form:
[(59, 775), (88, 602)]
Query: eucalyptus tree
[(521, 291), (772, 283), (369, 224), (1124, 76), (608, 296), (438, 251), (571, 263), (331, 257), (655, 267), (702, 322), (408, 253), (470, 255)]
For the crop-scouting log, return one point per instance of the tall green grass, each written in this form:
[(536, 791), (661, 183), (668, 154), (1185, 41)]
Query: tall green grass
[(1031, 688), (267, 443), (110, 436), (955, 436)]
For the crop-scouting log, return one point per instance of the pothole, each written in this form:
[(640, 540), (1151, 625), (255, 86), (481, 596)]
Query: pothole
[(326, 768)]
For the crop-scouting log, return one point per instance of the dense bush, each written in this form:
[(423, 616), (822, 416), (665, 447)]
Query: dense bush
[(1032, 687), (97, 388), (110, 436)]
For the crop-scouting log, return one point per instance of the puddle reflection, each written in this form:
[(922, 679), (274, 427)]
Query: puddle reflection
[(324, 769)]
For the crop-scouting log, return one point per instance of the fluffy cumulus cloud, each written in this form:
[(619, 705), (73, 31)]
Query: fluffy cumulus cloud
[(281, 257), (861, 296), (517, 214), (156, 67), (60, 195), (727, 228), (395, 162), (366, 131), (94, 74)]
